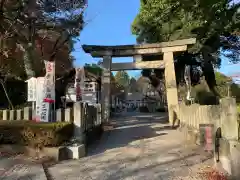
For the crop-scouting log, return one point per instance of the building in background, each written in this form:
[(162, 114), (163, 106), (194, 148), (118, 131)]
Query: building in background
[(90, 93)]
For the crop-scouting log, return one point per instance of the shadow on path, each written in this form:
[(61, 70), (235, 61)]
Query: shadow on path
[(138, 147), (128, 129)]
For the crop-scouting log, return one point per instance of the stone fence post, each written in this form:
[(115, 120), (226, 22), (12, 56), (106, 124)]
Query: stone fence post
[(6, 114), (27, 113), (78, 123), (229, 121), (19, 114), (229, 152), (76, 148)]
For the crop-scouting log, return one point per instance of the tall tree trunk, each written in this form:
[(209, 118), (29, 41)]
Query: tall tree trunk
[(208, 71), (28, 58)]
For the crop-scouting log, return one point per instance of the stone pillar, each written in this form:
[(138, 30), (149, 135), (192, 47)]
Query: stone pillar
[(78, 122), (76, 148), (105, 91), (12, 115), (229, 118), (171, 85), (229, 146), (20, 114), (60, 115), (27, 113), (68, 114), (6, 115)]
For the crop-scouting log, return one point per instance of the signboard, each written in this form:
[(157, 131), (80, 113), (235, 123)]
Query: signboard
[(49, 82), (39, 97), (71, 93), (48, 92), (89, 97), (31, 89)]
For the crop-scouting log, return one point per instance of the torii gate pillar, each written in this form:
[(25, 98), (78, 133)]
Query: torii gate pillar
[(171, 85), (105, 88)]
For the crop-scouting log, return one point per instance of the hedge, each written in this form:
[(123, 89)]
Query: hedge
[(35, 134)]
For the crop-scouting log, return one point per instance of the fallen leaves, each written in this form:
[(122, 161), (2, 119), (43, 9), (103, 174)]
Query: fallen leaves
[(210, 173)]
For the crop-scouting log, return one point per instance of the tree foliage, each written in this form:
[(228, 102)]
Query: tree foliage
[(93, 68), (26, 25), (224, 85), (215, 25), (122, 78)]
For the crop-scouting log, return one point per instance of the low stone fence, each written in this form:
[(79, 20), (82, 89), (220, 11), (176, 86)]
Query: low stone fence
[(223, 122), (87, 126), (90, 113)]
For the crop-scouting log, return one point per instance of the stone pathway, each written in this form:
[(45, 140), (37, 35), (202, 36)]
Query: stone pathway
[(141, 147), (19, 167)]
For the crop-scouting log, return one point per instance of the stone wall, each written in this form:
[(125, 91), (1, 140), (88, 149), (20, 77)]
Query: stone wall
[(197, 114), (224, 120), (86, 119)]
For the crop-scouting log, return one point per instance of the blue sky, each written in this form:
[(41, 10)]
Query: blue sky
[(109, 23)]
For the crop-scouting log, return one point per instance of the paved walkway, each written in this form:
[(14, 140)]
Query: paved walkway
[(141, 147), (19, 167)]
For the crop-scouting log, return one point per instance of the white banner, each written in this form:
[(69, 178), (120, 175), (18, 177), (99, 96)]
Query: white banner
[(31, 89), (49, 91), (39, 97), (49, 82)]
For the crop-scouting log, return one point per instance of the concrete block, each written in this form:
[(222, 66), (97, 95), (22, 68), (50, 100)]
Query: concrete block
[(27, 113), (12, 115), (19, 114), (229, 118), (68, 115), (235, 159), (6, 115), (229, 157), (72, 152), (59, 115), (55, 153)]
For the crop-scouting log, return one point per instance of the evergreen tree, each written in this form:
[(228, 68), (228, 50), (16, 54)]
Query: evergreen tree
[(122, 78)]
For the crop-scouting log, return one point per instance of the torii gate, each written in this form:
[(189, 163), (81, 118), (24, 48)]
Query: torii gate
[(138, 52)]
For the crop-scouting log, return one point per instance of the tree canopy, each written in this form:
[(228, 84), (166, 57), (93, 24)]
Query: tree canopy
[(93, 68), (39, 30), (122, 78), (215, 25), (224, 85)]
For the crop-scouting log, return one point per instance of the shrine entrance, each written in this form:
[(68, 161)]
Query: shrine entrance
[(162, 57)]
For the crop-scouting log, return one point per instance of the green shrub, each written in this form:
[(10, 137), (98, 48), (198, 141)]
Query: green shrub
[(35, 134)]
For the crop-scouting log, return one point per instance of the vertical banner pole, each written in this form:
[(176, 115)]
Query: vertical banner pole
[(49, 92)]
